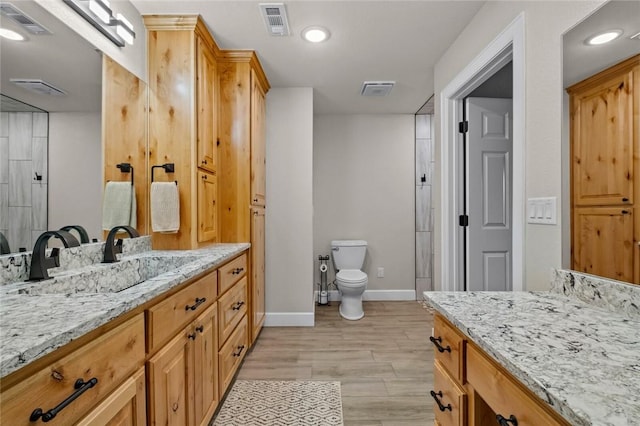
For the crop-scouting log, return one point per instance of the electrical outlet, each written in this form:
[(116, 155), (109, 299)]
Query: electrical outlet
[(380, 272)]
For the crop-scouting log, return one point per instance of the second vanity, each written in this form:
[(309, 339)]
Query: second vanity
[(162, 350)]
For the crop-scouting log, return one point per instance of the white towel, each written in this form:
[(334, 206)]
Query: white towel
[(165, 207), (119, 205)]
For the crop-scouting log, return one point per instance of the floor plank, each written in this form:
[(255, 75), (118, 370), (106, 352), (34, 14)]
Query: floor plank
[(384, 361)]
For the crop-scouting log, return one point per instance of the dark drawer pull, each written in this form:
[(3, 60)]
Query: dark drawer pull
[(237, 306), (435, 396), (625, 199), (199, 301), (200, 328), (80, 386), (240, 349), (437, 341), (237, 271), (505, 422), (192, 336)]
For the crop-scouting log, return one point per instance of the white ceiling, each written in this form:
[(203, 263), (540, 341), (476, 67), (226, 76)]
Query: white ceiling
[(370, 40), (581, 60)]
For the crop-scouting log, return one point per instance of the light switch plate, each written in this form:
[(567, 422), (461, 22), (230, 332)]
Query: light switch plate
[(542, 211)]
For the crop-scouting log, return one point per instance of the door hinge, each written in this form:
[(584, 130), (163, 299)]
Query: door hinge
[(463, 126), (463, 220)]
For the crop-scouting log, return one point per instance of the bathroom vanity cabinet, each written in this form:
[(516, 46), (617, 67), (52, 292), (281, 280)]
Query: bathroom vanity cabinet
[(470, 388), (167, 361)]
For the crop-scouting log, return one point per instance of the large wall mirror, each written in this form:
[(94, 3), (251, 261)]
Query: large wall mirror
[(50, 149), (603, 228)]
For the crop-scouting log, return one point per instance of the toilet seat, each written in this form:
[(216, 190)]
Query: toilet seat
[(351, 277)]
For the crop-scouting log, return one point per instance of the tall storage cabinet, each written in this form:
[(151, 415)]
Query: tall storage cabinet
[(183, 128), (243, 87), (605, 170)]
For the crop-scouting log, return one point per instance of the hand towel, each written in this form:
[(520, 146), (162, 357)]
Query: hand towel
[(165, 207), (118, 205)]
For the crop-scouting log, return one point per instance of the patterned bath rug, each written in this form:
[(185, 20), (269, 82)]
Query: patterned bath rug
[(281, 403)]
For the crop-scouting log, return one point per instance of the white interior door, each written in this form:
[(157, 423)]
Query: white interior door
[(489, 194)]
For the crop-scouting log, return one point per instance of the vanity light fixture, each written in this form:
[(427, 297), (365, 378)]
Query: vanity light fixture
[(99, 14), (315, 34), (10, 34), (604, 37)]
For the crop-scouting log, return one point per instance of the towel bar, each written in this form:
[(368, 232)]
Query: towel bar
[(126, 168), (168, 168)]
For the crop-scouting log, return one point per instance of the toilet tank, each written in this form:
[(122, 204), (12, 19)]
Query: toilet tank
[(348, 254)]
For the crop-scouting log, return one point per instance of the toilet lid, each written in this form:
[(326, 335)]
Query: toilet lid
[(351, 276)]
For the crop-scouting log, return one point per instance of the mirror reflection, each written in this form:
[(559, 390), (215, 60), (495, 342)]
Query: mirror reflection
[(599, 144), (50, 129)]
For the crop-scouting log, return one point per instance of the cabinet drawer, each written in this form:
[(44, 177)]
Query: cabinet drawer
[(232, 354), (110, 358), (448, 348), (169, 316), (504, 395), (232, 272), (232, 306), (451, 396)]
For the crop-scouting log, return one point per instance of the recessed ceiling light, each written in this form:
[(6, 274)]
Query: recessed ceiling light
[(10, 35), (315, 34), (604, 37)]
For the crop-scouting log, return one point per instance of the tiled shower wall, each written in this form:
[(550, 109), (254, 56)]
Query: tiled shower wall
[(424, 206), (23, 198)]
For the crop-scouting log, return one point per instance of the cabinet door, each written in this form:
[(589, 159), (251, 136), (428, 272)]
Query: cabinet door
[(125, 406), (603, 242), (258, 147), (602, 143), (207, 215), (257, 271), (205, 365), (206, 107), (169, 383)]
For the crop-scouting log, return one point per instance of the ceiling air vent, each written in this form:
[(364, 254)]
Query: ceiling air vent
[(275, 18), (38, 86), (376, 88), (12, 12)]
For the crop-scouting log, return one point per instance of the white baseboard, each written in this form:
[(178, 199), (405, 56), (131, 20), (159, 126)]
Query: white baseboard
[(289, 319), (375, 295)]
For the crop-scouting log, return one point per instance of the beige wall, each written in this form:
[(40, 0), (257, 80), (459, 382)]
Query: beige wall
[(363, 188), (132, 57), (75, 171), (289, 212), (545, 22)]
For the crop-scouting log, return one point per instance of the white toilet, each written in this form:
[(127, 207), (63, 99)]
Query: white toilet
[(348, 258)]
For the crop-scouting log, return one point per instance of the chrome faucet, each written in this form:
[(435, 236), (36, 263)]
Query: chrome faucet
[(84, 236), (39, 260), (111, 249)]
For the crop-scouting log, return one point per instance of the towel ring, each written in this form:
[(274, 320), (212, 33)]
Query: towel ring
[(168, 168), (126, 168)]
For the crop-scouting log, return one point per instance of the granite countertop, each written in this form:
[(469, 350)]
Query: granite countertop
[(584, 360), (32, 326)]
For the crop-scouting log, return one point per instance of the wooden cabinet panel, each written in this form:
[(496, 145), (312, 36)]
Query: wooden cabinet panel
[(257, 272), (258, 139), (169, 383), (207, 126), (231, 354), (205, 365), (451, 341), (232, 306), (602, 142), (451, 396), (207, 211), (603, 241), (504, 395), (168, 316), (110, 358), (125, 406), (231, 273)]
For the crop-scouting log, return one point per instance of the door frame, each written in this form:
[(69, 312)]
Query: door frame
[(507, 46)]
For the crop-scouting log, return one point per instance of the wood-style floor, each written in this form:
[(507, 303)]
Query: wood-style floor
[(384, 361)]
